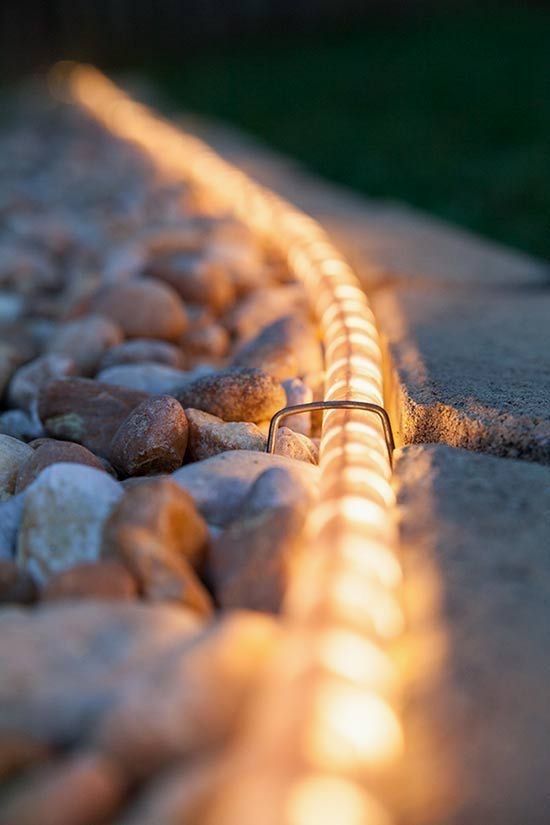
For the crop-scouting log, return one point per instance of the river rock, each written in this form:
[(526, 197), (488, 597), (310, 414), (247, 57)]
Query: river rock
[(144, 350), (264, 306), (157, 533), (11, 513), (18, 753), (249, 562), (86, 411), (26, 271), (13, 454), (29, 379), (287, 348), (70, 663), (12, 306), (62, 521), (242, 259), (80, 789), (25, 426), (143, 308), (157, 510), (9, 361), (205, 343), (235, 394), (105, 579), (16, 585), (196, 278), (180, 793), (298, 392), (220, 484), (85, 340), (152, 439), (209, 435), (295, 445), (50, 451), (151, 378), (124, 262), (196, 698)]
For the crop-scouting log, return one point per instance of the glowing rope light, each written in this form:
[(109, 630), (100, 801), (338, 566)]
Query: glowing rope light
[(344, 593)]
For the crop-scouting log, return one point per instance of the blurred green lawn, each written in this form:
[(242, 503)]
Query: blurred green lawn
[(450, 113)]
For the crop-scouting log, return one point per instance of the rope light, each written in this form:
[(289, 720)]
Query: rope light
[(336, 680)]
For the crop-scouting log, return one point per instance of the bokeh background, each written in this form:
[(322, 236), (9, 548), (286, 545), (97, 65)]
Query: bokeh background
[(445, 105)]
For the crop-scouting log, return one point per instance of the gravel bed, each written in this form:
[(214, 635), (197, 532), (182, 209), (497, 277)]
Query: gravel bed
[(145, 535)]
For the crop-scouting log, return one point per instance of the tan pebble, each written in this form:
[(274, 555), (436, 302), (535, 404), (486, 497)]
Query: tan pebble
[(29, 379), (297, 446), (16, 585), (152, 439), (142, 350), (196, 278), (143, 308), (207, 343), (85, 341), (79, 790), (209, 435), (93, 580), (158, 534), (50, 451), (287, 348), (236, 394), (13, 455), (85, 411)]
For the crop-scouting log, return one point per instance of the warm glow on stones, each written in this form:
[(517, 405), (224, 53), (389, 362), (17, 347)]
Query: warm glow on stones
[(343, 607)]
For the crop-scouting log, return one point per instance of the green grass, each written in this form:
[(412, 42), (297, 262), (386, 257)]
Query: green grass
[(450, 113)]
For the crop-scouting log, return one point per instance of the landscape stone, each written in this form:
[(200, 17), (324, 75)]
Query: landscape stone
[(197, 278), (9, 361), (209, 435), (22, 425), (156, 309), (287, 348), (13, 455), (16, 585), (105, 579), (11, 512), (29, 379), (234, 394), (151, 689), (295, 445), (50, 452), (220, 484), (152, 439), (62, 521), (57, 695), (297, 392), (85, 411), (156, 531), (249, 563), (85, 340), (206, 343), (78, 790), (18, 753), (264, 306), (196, 698), (146, 377), (180, 793), (143, 350)]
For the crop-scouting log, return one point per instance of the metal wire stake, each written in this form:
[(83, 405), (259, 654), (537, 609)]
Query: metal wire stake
[(333, 405)]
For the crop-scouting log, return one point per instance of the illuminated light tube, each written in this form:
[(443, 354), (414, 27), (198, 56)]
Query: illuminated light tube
[(334, 687)]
